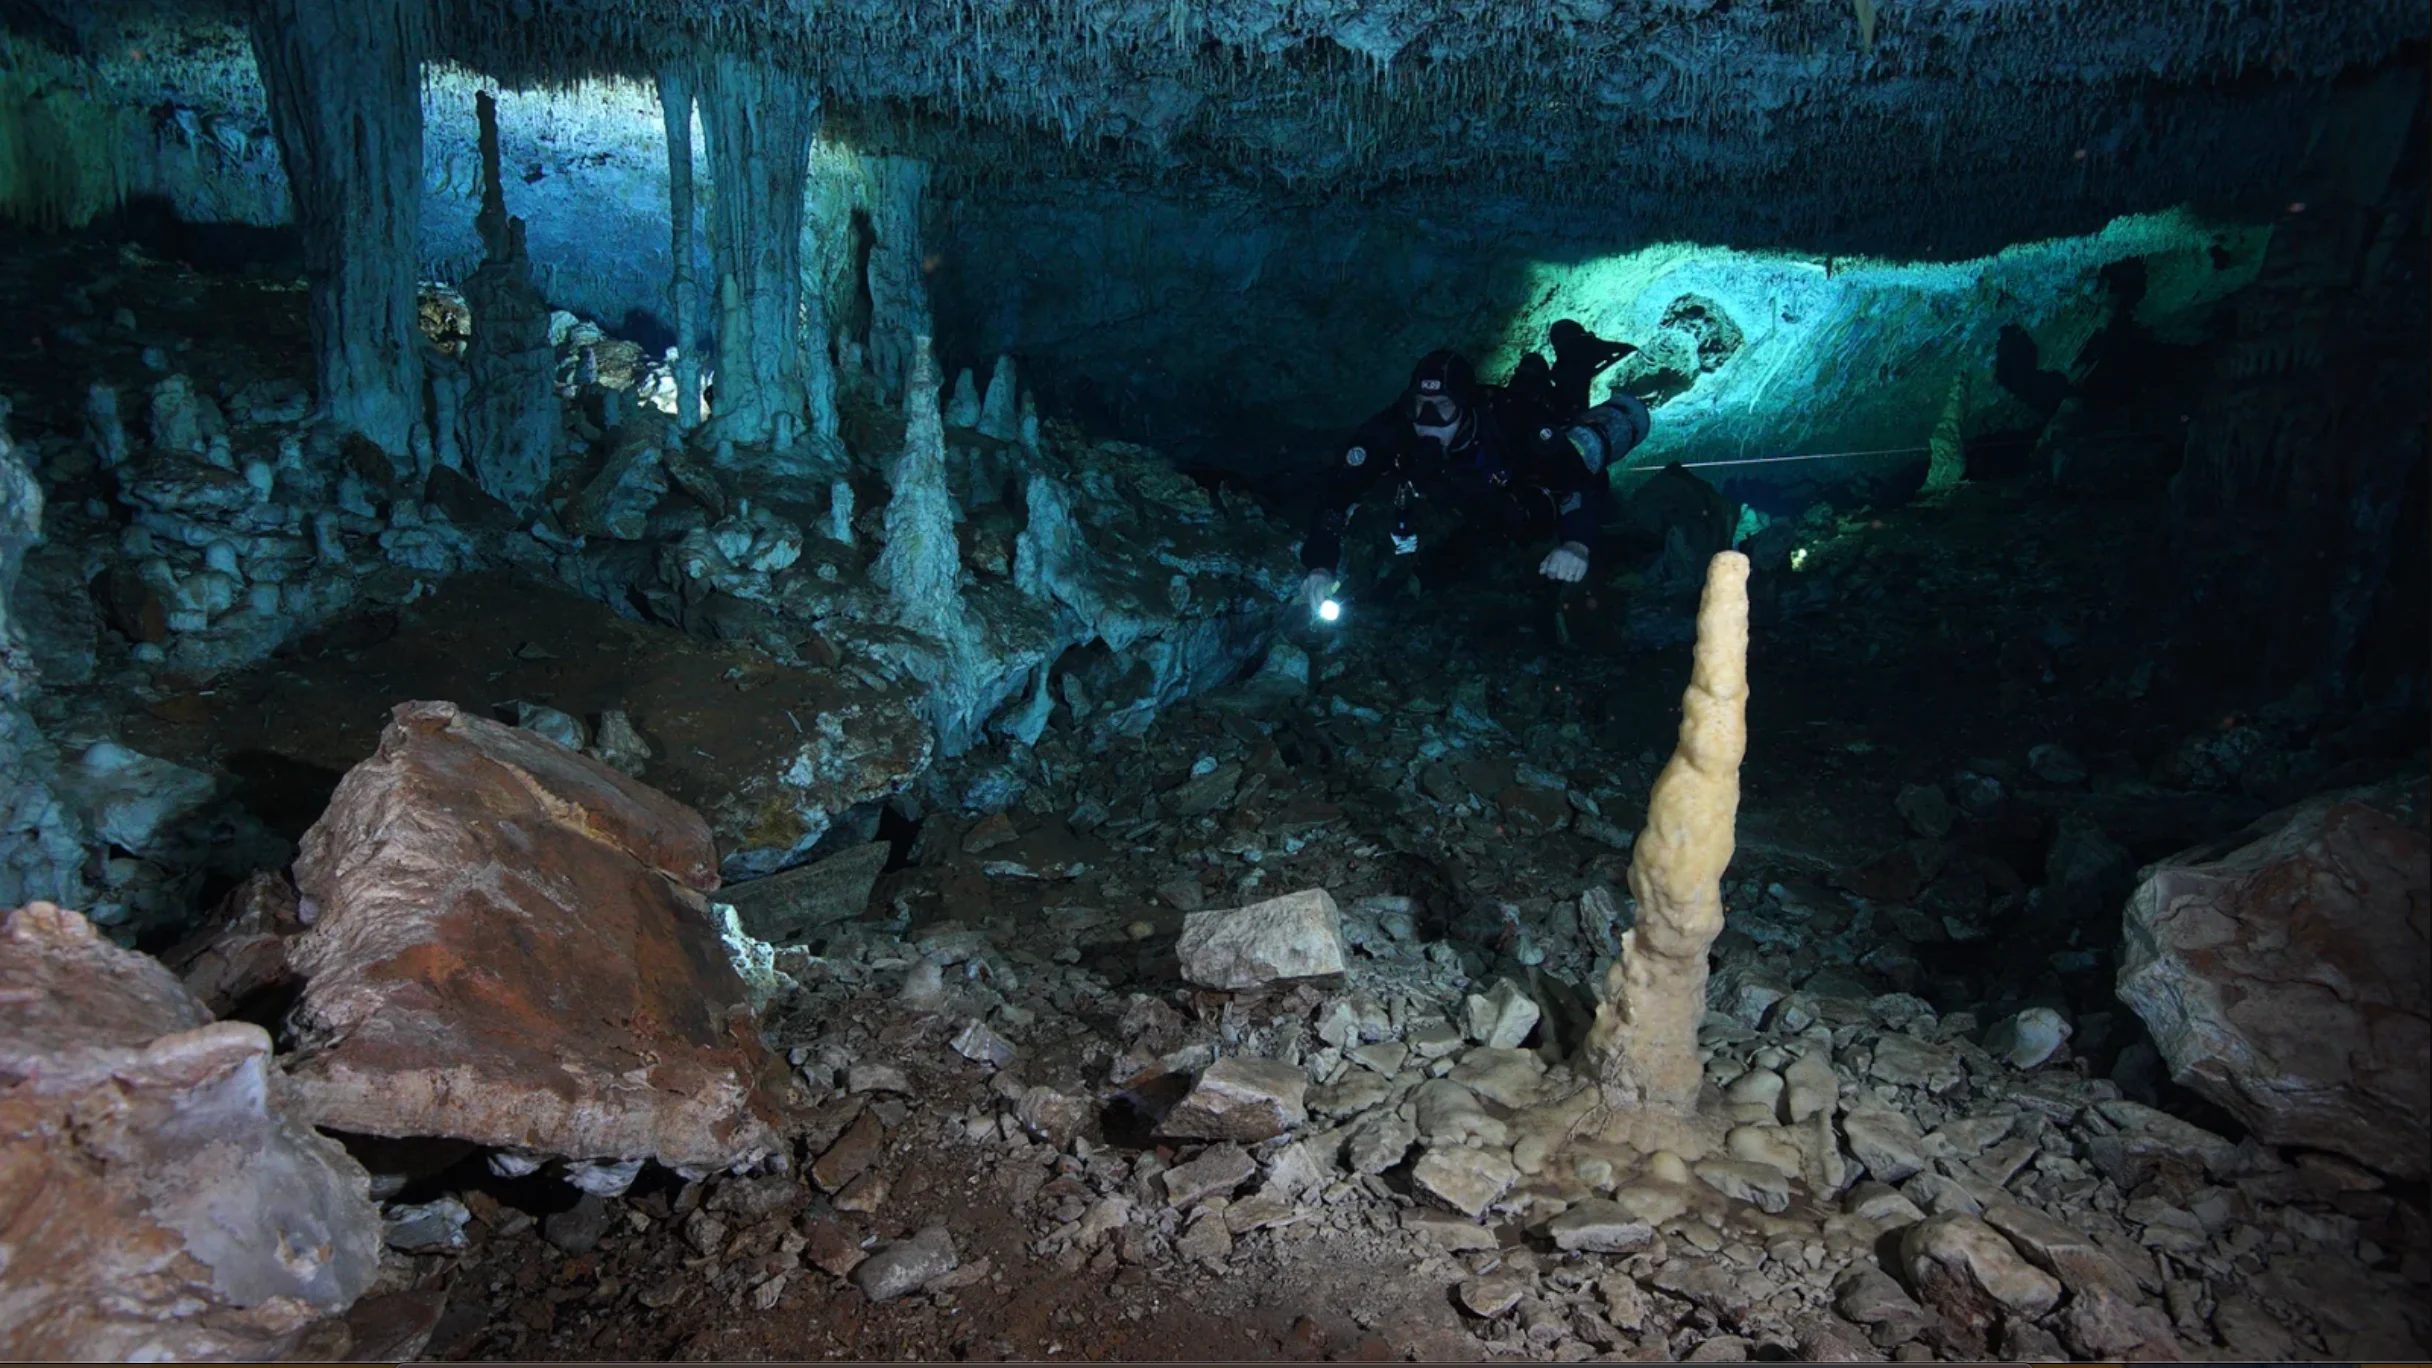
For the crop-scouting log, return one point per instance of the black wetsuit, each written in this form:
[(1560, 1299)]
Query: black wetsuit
[(1508, 468)]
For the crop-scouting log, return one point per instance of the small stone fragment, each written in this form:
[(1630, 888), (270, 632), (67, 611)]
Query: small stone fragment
[(1240, 1099), (865, 1194), (577, 1229), (1600, 1227), (906, 1266), (1299, 935), (1509, 1078), (1467, 1180), (1454, 1232), (2028, 1039), (864, 1078), (1965, 1269), (1886, 1142), (1379, 1142), (1217, 1171), (1927, 810), (852, 1154), (1761, 1185), (1502, 1017), (1492, 1295)]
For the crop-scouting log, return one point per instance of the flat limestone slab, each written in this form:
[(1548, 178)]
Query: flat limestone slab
[(783, 907), (511, 946)]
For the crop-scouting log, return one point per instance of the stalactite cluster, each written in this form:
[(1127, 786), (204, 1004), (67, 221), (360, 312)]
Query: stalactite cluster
[(1555, 102)]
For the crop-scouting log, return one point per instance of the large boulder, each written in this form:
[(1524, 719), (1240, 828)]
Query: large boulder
[(157, 1201), (2287, 979), (511, 945)]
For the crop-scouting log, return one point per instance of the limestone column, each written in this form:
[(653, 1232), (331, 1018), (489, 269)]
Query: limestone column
[(344, 81), (683, 292), (758, 122), (899, 289), (512, 424)]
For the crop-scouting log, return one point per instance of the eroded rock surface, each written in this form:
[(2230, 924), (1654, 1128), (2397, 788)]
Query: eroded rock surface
[(511, 946), (2286, 979), (160, 1202)]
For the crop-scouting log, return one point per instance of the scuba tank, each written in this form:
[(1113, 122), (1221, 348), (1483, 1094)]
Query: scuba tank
[(1608, 432)]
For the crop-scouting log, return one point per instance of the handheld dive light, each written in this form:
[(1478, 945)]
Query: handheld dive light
[(1331, 610)]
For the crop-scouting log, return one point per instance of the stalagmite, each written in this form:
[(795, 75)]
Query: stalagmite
[(1645, 1036), (840, 512), (511, 422), (344, 80), (921, 561), (759, 123), (102, 425), (683, 292), (963, 410), (899, 294), (1000, 415)]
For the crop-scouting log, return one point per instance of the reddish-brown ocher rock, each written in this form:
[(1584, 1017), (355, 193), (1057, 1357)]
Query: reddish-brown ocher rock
[(156, 1200), (510, 945), (2287, 979)]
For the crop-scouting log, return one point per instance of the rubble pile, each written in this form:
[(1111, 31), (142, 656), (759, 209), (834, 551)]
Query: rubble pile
[(2036, 1213), (1197, 1007)]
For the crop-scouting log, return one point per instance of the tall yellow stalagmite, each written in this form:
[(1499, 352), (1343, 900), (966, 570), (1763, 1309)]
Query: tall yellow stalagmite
[(1645, 1036)]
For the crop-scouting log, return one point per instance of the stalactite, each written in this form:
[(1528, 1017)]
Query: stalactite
[(683, 292), (344, 82)]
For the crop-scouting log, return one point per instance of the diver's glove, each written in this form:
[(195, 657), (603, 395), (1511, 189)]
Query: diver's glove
[(1318, 588), (1567, 563)]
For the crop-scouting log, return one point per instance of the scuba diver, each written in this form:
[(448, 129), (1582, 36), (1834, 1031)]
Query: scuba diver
[(1562, 387), (1579, 357), (1485, 454)]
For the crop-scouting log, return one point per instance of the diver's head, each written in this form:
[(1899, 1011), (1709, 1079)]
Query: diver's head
[(1566, 332), (1439, 394)]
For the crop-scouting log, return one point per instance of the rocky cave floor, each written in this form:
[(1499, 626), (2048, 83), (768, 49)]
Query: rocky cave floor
[(1964, 739), (1450, 763)]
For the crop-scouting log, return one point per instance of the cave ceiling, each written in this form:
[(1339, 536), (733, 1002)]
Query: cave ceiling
[(1910, 127)]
